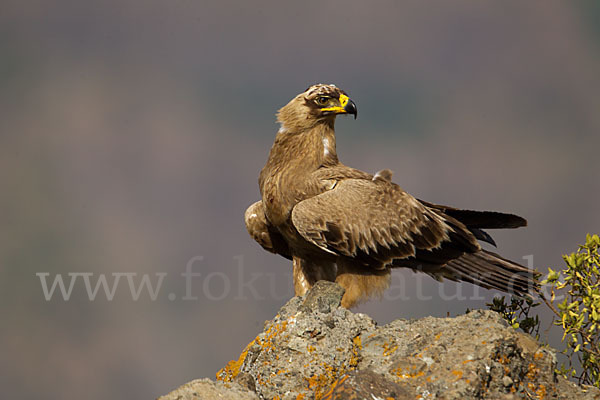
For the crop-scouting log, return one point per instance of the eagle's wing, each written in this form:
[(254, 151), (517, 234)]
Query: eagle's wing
[(376, 222), (263, 232)]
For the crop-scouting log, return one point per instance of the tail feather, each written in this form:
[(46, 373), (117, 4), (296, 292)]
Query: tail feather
[(482, 235), (487, 275), (480, 219), (486, 219), (492, 271)]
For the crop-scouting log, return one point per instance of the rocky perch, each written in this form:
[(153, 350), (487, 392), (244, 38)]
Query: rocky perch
[(314, 349)]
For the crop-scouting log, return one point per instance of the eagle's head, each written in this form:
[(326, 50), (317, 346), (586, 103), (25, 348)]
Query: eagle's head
[(318, 104)]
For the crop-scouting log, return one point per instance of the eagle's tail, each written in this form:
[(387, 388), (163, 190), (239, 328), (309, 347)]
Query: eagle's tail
[(491, 271), (486, 219), (477, 221)]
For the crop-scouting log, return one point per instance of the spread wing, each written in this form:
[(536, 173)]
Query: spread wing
[(376, 222)]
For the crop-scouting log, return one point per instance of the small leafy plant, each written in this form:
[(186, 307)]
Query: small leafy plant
[(517, 313), (578, 314)]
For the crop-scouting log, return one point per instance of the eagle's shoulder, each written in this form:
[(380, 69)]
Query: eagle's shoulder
[(340, 172)]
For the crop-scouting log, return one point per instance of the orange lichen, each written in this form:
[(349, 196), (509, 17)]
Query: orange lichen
[(532, 372), (531, 375), (271, 333), (457, 373), (355, 356), (333, 386), (229, 371), (260, 380), (541, 391), (403, 375), (388, 350), (232, 369), (334, 376), (322, 381), (502, 359)]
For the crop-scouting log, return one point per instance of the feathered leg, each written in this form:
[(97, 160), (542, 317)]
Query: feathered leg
[(306, 274), (360, 285)]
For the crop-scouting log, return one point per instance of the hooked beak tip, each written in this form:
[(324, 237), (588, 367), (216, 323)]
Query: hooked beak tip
[(350, 108)]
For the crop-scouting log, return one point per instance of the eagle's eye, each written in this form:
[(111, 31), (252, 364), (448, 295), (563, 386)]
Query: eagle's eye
[(322, 100)]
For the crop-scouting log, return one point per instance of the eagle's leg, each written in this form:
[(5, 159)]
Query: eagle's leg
[(307, 273), (361, 282)]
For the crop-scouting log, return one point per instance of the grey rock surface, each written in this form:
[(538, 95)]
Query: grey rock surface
[(314, 349), (205, 389)]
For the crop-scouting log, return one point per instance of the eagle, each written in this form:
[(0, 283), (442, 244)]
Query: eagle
[(340, 224)]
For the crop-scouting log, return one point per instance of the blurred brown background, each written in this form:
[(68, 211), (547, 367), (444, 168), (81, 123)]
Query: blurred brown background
[(132, 134)]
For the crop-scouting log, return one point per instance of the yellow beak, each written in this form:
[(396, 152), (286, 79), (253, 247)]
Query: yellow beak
[(346, 106)]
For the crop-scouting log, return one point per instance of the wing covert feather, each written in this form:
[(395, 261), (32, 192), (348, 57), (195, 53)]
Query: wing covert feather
[(372, 221)]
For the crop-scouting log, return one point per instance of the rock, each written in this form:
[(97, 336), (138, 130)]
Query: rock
[(365, 384), (314, 349), (205, 389), (324, 297)]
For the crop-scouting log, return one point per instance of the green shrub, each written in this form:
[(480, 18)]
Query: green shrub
[(578, 314)]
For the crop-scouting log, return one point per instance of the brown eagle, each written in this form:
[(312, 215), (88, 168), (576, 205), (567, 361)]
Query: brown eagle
[(340, 224)]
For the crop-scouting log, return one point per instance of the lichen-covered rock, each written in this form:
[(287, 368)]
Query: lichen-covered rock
[(366, 384), (314, 349), (303, 350), (205, 389)]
